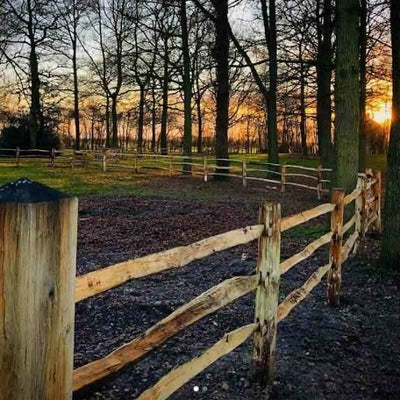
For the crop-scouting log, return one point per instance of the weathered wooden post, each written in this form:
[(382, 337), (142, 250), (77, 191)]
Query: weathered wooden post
[(376, 190), (170, 165), (335, 250), (136, 164), (319, 182), (205, 169), (244, 173), (359, 212), (267, 296), (37, 283), (52, 158), (104, 163), (283, 178), (17, 154)]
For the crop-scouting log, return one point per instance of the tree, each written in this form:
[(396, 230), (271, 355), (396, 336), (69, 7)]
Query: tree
[(324, 78), (390, 251), (347, 93), (363, 85), (26, 26)]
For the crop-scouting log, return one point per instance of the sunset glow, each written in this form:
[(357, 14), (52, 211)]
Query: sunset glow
[(381, 113)]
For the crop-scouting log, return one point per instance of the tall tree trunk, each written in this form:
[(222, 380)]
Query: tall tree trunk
[(269, 22), (108, 127), (153, 120), (164, 113), (199, 124), (390, 252), (303, 116), (221, 54), (363, 85), (324, 78), (76, 94), (141, 119), (347, 94), (114, 121), (187, 89)]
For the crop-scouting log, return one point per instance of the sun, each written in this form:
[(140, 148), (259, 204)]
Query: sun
[(381, 113)]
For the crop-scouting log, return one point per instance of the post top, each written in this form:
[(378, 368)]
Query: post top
[(24, 190)]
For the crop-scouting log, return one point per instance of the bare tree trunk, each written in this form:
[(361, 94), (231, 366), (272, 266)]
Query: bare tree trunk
[(114, 121), (363, 84), (107, 116), (141, 120), (164, 113), (390, 252), (76, 95), (221, 54), (324, 78), (347, 94), (187, 89), (303, 116), (153, 120)]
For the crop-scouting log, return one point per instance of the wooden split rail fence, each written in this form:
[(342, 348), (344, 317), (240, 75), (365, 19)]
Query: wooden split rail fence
[(279, 175), (343, 239)]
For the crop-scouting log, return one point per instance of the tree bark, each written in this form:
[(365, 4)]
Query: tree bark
[(363, 85), (114, 121), (390, 251), (347, 94), (221, 55), (141, 119), (76, 93), (269, 20), (164, 113), (187, 89), (324, 78)]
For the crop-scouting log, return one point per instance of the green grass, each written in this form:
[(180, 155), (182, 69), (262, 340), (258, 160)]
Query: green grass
[(86, 181), (309, 231)]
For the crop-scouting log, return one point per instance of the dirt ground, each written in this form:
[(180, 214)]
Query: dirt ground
[(350, 352)]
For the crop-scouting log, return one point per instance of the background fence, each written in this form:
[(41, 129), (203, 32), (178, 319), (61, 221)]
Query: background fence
[(343, 238), (281, 176)]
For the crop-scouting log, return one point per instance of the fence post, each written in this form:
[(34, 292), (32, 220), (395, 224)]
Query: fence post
[(104, 161), (205, 169), (319, 183), (170, 165), (283, 178), (52, 158), (376, 190), (17, 153), (37, 275), (136, 164), (267, 295), (244, 173), (335, 250)]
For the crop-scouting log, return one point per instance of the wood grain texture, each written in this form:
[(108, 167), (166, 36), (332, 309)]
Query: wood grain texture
[(299, 294), (335, 250), (305, 253), (37, 274), (305, 216), (106, 278), (267, 297), (203, 305), (175, 379)]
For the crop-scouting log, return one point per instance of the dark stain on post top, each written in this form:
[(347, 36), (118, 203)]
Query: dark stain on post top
[(25, 190)]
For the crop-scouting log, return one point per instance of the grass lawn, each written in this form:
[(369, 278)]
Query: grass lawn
[(86, 181)]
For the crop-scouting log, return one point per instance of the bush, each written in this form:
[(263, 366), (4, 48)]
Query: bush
[(16, 134)]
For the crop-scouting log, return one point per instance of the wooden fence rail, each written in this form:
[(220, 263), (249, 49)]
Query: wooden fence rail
[(113, 160), (343, 238)]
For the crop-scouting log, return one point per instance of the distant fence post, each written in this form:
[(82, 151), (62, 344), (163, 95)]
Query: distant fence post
[(205, 169), (267, 296), (170, 165), (335, 250), (104, 161), (136, 164), (244, 173), (52, 158), (17, 154), (376, 190), (319, 182), (37, 275), (283, 177)]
